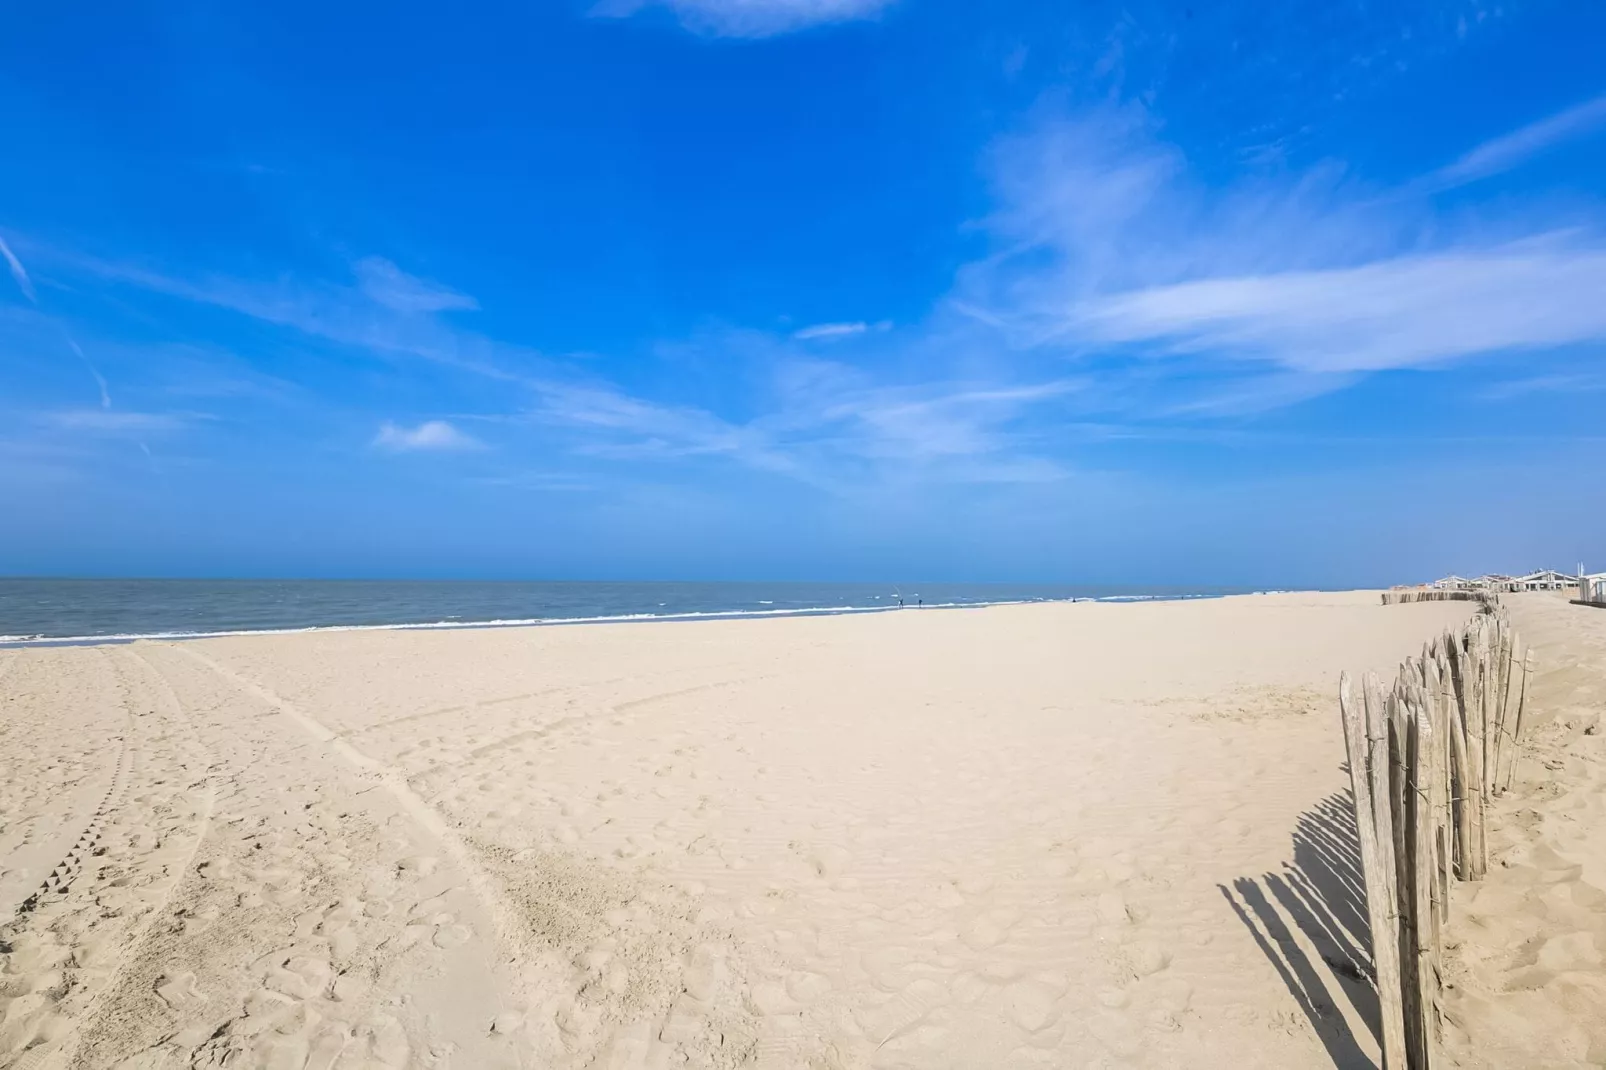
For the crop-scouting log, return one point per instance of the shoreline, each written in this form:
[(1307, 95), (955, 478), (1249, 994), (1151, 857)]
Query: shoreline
[(11, 642)]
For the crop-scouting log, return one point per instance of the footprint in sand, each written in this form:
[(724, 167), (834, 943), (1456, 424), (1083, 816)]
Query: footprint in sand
[(1113, 909), (1034, 1005), (903, 1014), (989, 928), (179, 992), (1146, 957), (807, 987)]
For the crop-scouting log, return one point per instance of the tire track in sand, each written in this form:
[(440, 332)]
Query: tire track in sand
[(394, 782), (70, 942), (65, 871), (512, 950), (311, 933), (593, 955), (561, 723)]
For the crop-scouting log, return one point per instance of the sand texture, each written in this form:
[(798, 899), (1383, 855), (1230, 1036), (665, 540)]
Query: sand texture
[(1529, 974), (1031, 836)]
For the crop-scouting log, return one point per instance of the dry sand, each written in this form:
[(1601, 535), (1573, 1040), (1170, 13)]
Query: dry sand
[(1033, 836), (1530, 984)]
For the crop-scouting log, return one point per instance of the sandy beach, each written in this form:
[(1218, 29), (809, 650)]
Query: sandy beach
[(1527, 968), (1062, 835)]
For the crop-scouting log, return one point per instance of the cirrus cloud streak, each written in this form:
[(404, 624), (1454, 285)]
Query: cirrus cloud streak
[(750, 18)]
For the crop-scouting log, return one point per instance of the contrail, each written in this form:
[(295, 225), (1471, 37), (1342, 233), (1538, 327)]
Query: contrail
[(23, 282), (100, 380)]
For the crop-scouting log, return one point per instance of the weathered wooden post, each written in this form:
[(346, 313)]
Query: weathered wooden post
[(1424, 762), (1424, 871), (1366, 742), (1522, 700), (1477, 762)]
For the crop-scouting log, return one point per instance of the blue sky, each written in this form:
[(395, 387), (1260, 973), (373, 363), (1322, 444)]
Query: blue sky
[(834, 289)]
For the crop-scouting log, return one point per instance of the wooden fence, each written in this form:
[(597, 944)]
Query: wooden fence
[(1400, 598), (1425, 758)]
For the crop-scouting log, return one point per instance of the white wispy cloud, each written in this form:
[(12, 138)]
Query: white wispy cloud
[(1402, 312), (935, 421), (832, 331), (1514, 149), (823, 418), (657, 426), (18, 273), (1107, 245), (401, 324), (611, 423), (1250, 394), (394, 288), (1554, 383), (1098, 202), (430, 435), (114, 422), (750, 18), (537, 480), (1109, 254), (1259, 297), (845, 428), (829, 425)]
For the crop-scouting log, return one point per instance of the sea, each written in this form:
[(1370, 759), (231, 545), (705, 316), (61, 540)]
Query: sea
[(45, 611)]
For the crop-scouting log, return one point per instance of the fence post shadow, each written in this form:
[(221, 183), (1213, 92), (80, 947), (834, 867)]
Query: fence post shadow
[(1323, 894)]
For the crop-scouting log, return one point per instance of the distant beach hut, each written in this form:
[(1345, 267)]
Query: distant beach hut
[(1546, 579)]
